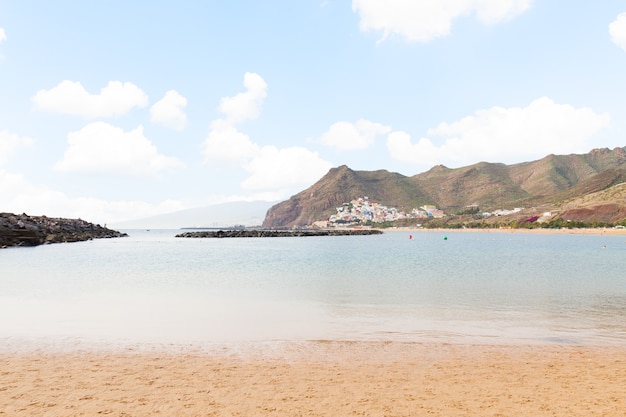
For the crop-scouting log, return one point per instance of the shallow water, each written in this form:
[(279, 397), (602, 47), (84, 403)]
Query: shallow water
[(479, 287)]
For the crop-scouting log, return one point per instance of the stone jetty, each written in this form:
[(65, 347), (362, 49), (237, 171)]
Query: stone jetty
[(278, 233), (24, 230)]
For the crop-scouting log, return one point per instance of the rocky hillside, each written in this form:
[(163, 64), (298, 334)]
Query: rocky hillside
[(24, 230), (608, 205), (339, 186), (556, 182)]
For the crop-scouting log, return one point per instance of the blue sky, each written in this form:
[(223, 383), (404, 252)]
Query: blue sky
[(116, 110)]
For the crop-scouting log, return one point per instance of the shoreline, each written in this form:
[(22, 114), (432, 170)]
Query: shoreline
[(323, 378), (539, 231)]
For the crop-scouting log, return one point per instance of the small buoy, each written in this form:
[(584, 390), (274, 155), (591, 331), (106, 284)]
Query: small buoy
[(445, 238)]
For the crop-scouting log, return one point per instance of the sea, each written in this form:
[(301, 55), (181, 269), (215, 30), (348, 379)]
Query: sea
[(152, 288)]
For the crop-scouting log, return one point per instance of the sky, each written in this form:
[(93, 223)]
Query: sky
[(118, 110)]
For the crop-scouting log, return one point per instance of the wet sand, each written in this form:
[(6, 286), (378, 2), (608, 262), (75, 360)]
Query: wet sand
[(318, 379)]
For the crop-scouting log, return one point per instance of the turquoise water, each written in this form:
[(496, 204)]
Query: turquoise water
[(471, 287)]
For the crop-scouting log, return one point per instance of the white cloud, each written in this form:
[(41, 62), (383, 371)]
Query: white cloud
[(275, 168), (617, 29), (273, 171), (105, 149), (349, 136), (503, 135), (9, 143), (226, 144), (169, 111), (270, 168), (18, 195), (69, 97), (247, 105), (425, 20)]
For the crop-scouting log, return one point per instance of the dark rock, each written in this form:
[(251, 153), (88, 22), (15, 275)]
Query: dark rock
[(24, 230), (279, 233)]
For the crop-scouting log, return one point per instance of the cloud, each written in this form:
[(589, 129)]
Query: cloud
[(425, 20), (348, 136), (272, 170), (246, 105), (169, 112), (506, 135), (100, 148), (617, 29), (225, 144), (18, 195), (69, 97), (275, 168), (9, 143)]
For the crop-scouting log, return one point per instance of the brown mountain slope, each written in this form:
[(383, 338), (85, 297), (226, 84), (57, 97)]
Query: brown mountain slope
[(485, 184), (589, 189), (555, 173), (552, 180), (342, 185), (607, 205)]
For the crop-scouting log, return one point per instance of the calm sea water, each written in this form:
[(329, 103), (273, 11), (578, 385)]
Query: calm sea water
[(477, 287)]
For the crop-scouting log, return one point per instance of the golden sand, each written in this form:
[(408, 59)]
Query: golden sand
[(319, 379), (539, 231)]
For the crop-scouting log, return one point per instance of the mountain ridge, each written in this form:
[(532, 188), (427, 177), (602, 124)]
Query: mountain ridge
[(550, 181)]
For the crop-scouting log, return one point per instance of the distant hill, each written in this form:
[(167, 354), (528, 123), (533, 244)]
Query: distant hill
[(555, 182), (218, 215)]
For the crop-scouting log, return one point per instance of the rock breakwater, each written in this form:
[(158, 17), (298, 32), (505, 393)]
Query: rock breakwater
[(24, 230), (277, 233)]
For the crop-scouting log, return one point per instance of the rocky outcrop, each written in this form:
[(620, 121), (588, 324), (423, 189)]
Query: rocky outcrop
[(278, 233), (24, 230)]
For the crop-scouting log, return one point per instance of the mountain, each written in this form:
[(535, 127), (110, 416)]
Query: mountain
[(550, 182), (341, 185), (218, 215)]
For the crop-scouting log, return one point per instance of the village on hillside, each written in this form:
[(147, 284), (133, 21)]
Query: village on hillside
[(364, 211)]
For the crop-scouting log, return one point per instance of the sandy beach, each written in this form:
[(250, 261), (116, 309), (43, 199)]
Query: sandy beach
[(539, 231), (318, 379)]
